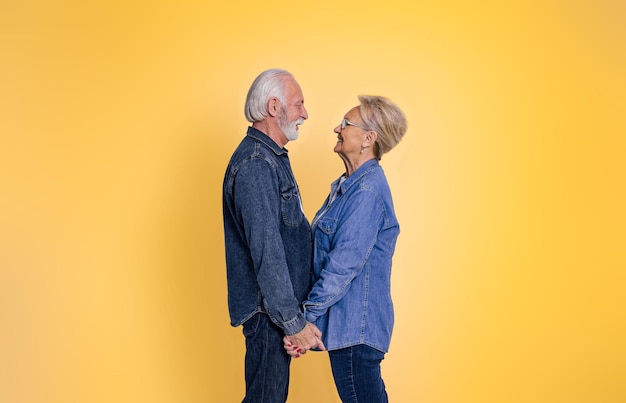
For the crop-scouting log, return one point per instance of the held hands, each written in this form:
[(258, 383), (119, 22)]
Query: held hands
[(308, 338)]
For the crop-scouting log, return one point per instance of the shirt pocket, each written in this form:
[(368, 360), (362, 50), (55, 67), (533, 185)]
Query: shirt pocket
[(325, 232), (290, 206)]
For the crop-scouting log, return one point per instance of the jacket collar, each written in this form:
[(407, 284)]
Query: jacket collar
[(265, 139), (357, 175)]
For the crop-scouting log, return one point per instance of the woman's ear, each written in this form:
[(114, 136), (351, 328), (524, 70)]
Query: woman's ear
[(370, 138)]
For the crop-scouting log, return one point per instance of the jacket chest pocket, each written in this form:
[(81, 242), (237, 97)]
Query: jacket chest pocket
[(290, 206), (327, 228)]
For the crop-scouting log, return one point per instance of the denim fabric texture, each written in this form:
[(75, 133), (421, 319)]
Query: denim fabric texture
[(354, 236), (266, 362), (267, 236), (356, 371)]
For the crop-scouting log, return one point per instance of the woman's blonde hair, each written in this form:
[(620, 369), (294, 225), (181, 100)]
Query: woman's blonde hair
[(385, 118)]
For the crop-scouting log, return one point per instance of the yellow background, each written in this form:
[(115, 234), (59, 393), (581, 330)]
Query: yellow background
[(117, 119)]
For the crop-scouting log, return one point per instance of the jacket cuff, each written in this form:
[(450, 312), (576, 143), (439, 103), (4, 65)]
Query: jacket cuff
[(308, 315), (294, 325)]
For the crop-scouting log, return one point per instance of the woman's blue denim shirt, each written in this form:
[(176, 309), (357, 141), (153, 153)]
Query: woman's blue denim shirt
[(354, 240), (267, 236)]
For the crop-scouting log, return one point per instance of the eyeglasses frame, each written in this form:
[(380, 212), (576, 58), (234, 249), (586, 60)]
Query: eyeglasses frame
[(345, 122)]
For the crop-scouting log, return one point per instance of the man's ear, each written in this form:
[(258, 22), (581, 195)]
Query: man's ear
[(273, 106)]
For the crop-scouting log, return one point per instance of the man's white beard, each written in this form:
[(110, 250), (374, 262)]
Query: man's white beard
[(290, 129)]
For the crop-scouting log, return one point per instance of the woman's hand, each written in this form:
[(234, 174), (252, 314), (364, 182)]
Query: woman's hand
[(298, 344), (293, 350)]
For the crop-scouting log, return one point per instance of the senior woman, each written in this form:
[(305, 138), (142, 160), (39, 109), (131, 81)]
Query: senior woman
[(355, 234)]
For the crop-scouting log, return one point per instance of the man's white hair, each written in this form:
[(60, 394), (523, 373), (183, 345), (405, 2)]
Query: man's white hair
[(269, 84)]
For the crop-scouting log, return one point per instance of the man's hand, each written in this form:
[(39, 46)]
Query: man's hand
[(306, 339)]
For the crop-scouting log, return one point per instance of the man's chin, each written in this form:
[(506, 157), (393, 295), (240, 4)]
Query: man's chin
[(293, 134)]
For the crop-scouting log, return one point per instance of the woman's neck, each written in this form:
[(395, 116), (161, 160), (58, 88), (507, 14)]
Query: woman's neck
[(353, 165)]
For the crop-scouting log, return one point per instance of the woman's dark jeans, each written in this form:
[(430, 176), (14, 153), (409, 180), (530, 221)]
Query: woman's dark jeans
[(266, 362), (357, 374)]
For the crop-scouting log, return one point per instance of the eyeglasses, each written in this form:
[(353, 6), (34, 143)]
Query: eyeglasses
[(345, 122)]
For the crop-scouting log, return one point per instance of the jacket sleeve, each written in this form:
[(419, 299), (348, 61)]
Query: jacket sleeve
[(354, 238), (257, 198)]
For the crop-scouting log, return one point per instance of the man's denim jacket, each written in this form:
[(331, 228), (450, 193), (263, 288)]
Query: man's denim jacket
[(354, 239), (267, 236)]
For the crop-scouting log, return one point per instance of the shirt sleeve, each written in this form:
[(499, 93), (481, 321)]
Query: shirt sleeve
[(356, 234), (257, 198)]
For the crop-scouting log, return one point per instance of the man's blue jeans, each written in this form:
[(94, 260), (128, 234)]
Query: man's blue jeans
[(266, 362), (357, 374)]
